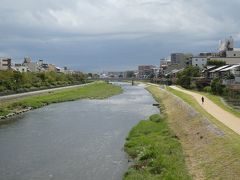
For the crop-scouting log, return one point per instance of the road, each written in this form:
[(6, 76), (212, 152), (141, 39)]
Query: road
[(220, 114), (13, 96)]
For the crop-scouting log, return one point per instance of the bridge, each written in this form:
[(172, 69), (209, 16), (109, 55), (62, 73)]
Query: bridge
[(154, 80), (119, 79)]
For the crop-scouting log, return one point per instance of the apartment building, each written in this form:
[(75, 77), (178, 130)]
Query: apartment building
[(5, 63), (144, 71)]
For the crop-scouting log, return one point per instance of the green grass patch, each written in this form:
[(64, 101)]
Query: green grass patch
[(156, 151), (98, 90)]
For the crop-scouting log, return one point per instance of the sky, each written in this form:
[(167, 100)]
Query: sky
[(105, 35)]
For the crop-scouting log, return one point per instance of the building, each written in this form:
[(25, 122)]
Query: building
[(176, 58), (48, 67), (19, 68), (145, 71), (165, 62), (5, 63), (217, 73), (231, 74), (60, 70), (116, 74), (199, 61), (206, 71), (227, 52), (181, 59), (32, 66), (233, 54), (226, 45)]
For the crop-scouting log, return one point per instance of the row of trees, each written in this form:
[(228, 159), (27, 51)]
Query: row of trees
[(187, 79), (14, 81)]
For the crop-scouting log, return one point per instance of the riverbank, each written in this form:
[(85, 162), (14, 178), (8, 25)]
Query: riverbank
[(218, 100), (155, 150), (212, 151), (97, 90)]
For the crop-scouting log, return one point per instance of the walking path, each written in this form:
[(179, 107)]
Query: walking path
[(220, 114)]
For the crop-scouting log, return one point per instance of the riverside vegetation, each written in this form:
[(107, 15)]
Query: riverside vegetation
[(156, 151), (15, 82), (97, 90), (212, 151)]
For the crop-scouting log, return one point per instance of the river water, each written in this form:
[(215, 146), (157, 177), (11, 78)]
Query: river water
[(79, 140)]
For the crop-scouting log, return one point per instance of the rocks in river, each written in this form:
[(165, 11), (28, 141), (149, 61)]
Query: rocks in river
[(10, 115), (16, 113)]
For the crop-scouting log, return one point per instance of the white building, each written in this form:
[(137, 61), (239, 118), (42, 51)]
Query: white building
[(227, 52), (233, 54), (32, 66), (19, 68), (199, 61)]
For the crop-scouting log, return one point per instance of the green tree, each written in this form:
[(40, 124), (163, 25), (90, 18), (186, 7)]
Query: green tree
[(184, 78), (217, 87), (217, 63)]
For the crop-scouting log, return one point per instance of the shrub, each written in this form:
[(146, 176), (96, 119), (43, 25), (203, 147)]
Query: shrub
[(155, 118), (207, 89)]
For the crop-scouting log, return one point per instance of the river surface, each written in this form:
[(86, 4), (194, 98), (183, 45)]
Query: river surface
[(79, 140)]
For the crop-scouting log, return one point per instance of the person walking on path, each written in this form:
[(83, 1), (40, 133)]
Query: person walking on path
[(202, 100)]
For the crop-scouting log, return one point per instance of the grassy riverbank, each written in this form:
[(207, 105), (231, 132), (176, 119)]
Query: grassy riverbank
[(212, 150), (156, 151), (219, 101), (98, 90)]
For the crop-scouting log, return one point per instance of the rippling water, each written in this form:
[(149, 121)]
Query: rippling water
[(79, 140)]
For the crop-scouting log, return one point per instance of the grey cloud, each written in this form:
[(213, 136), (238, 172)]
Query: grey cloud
[(109, 33)]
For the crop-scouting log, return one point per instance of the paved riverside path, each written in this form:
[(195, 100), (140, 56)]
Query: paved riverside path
[(13, 96), (220, 114)]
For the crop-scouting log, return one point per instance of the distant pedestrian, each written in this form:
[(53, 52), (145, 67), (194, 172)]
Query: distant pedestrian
[(202, 100)]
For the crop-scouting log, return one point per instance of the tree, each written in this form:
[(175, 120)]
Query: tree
[(18, 82), (184, 78), (130, 74), (217, 87), (217, 63), (90, 75)]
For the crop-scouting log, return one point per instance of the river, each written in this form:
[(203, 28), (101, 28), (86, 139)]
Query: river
[(78, 140)]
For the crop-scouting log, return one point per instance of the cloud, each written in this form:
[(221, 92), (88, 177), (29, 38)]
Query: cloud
[(50, 25)]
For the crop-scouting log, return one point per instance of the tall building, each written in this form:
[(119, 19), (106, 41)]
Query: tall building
[(181, 59), (176, 58), (5, 63)]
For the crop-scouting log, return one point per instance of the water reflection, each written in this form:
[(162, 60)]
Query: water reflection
[(73, 140)]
